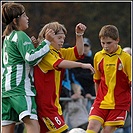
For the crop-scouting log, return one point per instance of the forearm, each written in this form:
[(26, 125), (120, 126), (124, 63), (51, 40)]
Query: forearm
[(79, 44), (72, 64), (79, 30), (69, 64)]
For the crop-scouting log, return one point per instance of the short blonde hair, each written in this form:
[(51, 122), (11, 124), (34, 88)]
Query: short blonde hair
[(55, 26)]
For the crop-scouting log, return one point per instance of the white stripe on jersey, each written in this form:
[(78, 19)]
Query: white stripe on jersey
[(19, 74), (37, 54), (27, 82), (15, 37), (8, 79), (2, 71)]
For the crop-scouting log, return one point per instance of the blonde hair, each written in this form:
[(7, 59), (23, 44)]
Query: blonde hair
[(55, 26), (109, 31)]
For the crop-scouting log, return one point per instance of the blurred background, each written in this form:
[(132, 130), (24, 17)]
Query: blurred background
[(93, 14)]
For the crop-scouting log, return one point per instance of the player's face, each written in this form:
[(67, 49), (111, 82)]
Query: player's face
[(58, 41), (23, 22), (109, 45)]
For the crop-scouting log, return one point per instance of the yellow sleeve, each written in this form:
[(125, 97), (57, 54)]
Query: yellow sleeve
[(127, 67), (97, 75), (47, 62), (71, 54)]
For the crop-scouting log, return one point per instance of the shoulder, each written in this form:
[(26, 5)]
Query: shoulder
[(67, 49), (125, 53), (21, 33), (125, 56), (98, 54), (23, 37), (17, 35)]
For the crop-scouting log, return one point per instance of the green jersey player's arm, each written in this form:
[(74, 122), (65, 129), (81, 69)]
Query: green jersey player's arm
[(30, 54)]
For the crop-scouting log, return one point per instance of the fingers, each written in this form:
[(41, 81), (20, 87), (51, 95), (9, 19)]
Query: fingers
[(80, 28), (88, 66), (33, 39), (49, 35), (92, 70), (50, 32)]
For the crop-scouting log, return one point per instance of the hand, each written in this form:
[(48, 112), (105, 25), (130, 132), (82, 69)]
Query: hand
[(49, 35), (88, 95), (88, 66), (80, 28), (34, 41), (76, 96)]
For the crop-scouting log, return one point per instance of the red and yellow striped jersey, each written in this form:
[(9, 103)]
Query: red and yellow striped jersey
[(48, 81), (113, 73)]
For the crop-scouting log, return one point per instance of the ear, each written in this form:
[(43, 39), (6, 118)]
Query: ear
[(118, 39), (14, 21)]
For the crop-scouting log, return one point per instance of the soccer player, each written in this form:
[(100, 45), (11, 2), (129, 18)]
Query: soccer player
[(112, 84), (48, 75), (18, 58)]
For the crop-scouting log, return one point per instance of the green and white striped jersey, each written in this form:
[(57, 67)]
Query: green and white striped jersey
[(18, 58)]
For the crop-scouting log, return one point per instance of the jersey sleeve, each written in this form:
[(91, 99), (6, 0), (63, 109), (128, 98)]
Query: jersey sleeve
[(50, 62), (53, 59), (97, 75), (71, 53), (127, 68), (31, 55)]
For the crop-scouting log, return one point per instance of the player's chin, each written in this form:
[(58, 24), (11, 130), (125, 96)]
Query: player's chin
[(26, 27), (59, 47), (107, 50)]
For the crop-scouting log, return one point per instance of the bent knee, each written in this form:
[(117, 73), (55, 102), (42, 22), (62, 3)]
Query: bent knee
[(94, 125)]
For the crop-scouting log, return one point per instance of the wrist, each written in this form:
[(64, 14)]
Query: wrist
[(80, 64), (79, 34)]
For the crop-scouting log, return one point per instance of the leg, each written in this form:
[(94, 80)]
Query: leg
[(94, 126), (19, 128), (43, 127), (108, 129), (32, 126), (9, 128)]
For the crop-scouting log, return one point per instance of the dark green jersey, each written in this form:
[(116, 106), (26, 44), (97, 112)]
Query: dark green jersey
[(18, 58)]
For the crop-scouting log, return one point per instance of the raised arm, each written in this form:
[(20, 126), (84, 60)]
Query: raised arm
[(79, 30)]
